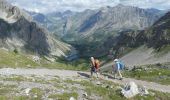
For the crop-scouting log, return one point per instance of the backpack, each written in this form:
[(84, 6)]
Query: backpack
[(122, 66), (97, 63)]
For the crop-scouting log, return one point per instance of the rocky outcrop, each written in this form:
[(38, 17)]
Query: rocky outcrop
[(155, 36), (19, 31)]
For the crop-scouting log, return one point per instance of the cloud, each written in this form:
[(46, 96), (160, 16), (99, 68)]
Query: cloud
[(159, 4), (45, 6)]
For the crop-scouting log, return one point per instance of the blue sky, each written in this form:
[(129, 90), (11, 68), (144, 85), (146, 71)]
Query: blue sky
[(45, 6)]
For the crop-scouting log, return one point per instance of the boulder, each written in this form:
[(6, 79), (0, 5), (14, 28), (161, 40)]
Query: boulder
[(130, 90), (72, 98), (85, 94)]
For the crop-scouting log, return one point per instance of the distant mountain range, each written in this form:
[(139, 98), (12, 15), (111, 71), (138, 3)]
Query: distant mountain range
[(19, 31), (88, 30), (105, 20)]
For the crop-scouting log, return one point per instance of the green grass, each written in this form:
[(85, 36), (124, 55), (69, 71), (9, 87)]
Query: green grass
[(20, 98), (15, 78), (103, 92), (11, 59), (6, 89), (14, 98), (62, 64), (157, 96), (17, 60), (64, 96), (115, 94), (154, 74), (38, 92)]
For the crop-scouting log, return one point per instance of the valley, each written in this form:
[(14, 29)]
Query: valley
[(47, 55)]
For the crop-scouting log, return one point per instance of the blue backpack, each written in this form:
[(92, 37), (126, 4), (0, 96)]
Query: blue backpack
[(122, 66)]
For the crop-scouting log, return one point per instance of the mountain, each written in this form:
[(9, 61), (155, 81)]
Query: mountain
[(156, 40), (156, 36), (90, 30), (89, 23), (19, 31), (142, 47), (54, 22), (92, 23)]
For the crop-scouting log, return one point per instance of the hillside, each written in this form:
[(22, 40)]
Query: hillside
[(18, 31), (150, 46)]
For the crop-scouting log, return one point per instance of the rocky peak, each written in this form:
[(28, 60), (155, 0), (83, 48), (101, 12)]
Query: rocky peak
[(19, 31)]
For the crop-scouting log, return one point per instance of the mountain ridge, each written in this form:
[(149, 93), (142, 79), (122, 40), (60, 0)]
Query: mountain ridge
[(18, 26)]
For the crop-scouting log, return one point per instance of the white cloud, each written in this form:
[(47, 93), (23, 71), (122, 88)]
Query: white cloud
[(45, 6), (159, 4)]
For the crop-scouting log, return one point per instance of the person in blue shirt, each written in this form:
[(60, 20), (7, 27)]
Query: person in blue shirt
[(116, 69)]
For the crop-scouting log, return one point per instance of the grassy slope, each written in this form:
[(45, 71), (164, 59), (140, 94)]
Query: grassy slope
[(11, 59), (152, 73), (16, 60)]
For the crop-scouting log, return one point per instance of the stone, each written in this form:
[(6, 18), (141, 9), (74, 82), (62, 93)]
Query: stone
[(106, 78), (107, 86), (130, 90), (98, 83), (36, 58), (35, 96), (72, 98), (85, 94), (143, 91), (27, 91)]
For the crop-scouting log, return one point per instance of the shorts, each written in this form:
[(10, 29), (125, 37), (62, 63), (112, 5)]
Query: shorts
[(93, 69), (116, 70)]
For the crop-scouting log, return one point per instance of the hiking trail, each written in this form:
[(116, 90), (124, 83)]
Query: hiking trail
[(70, 74)]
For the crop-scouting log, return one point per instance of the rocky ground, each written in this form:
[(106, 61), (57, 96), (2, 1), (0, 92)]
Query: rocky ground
[(49, 84)]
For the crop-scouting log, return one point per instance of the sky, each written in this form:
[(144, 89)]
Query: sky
[(46, 6)]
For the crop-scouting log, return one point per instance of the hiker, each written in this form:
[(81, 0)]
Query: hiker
[(117, 67), (95, 64)]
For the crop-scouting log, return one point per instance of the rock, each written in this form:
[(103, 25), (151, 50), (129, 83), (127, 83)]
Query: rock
[(130, 90), (27, 91), (98, 83), (33, 80), (106, 78), (107, 86), (35, 96), (36, 58), (111, 87), (143, 91), (72, 98), (85, 94), (19, 31)]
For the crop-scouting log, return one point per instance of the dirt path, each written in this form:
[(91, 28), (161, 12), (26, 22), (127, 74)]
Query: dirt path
[(67, 73)]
